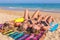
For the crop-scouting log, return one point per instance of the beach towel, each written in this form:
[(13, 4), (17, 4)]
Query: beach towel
[(14, 34), (54, 26), (30, 37), (24, 37), (18, 36), (10, 33), (7, 32)]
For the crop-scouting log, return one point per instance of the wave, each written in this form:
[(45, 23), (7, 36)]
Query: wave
[(23, 8)]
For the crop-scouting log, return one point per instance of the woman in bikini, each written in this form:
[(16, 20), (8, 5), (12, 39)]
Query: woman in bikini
[(28, 23)]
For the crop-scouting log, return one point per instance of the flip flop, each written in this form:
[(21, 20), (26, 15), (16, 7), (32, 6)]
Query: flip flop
[(18, 36), (24, 37), (54, 27)]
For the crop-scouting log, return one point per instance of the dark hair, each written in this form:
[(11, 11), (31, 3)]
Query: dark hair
[(29, 29), (35, 19), (6, 24), (43, 22), (30, 21)]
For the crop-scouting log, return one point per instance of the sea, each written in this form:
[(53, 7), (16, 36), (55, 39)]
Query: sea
[(31, 6)]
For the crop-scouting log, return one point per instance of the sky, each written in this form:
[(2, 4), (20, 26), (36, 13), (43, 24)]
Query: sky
[(29, 1)]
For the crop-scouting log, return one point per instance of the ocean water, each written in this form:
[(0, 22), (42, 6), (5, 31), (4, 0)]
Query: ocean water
[(33, 6)]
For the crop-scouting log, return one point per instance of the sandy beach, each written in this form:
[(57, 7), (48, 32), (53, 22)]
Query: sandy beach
[(6, 15)]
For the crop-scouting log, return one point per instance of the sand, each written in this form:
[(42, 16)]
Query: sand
[(6, 15)]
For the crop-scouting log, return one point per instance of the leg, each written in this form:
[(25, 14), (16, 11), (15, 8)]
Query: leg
[(44, 21), (35, 15), (50, 19), (40, 18), (46, 17), (26, 14)]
